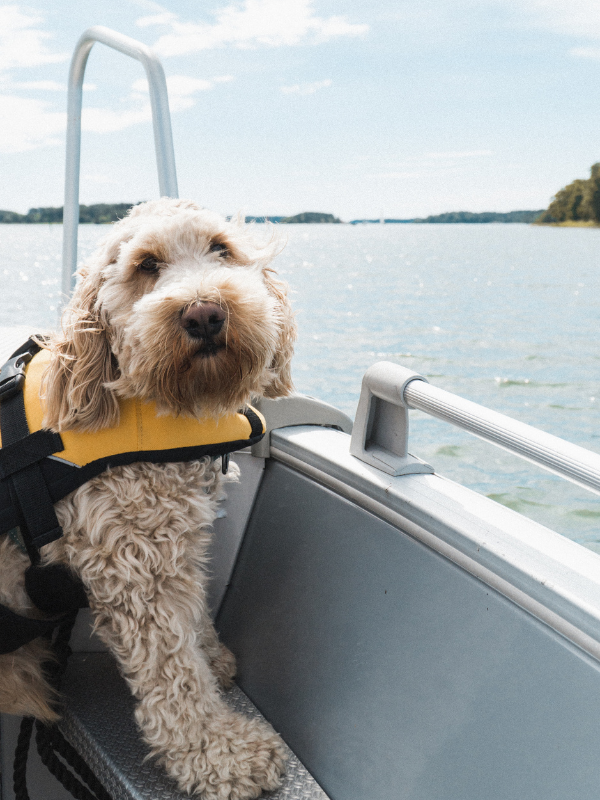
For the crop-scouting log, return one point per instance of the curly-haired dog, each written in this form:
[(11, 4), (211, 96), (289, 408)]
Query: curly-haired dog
[(178, 306)]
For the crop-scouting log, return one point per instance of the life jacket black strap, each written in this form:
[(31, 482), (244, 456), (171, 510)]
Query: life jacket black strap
[(25, 452), (54, 589), (18, 630), (19, 462)]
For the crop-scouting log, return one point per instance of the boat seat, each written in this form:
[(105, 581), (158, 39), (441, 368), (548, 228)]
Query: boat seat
[(98, 721)]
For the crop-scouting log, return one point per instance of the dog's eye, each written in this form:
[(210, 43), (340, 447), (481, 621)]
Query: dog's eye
[(149, 264), (218, 247)]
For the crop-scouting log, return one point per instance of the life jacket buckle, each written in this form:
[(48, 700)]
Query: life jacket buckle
[(12, 375)]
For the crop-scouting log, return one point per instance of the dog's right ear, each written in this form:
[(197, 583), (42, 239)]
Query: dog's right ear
[(74, 384)]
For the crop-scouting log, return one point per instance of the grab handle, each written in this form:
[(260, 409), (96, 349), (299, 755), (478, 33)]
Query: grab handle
[(380, 432), (161, 123)]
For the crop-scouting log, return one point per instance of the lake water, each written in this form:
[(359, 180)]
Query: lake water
[(505, 315)]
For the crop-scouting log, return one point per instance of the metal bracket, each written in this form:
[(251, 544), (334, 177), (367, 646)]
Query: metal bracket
[(380, 433), (299, 409)]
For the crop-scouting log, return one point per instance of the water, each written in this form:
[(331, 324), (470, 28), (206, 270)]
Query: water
[(505, 315)]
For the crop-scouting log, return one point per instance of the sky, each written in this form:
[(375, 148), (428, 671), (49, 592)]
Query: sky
[(390, 108)]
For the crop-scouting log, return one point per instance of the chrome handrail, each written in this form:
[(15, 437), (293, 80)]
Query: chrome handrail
[(389, 390), (161, 122)]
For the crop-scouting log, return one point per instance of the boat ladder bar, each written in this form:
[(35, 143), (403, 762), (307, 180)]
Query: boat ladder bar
[(380, 433), (161, 122)]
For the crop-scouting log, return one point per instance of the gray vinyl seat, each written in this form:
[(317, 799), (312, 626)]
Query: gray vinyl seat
[(98, 721)]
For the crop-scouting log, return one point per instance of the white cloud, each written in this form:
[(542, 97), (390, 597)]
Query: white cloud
[(585, 52), (182, 89), (22, 42), (580, 18), (306, 88), (29, 124), (162, 18), (184, 85), (44, 86), (461, 154), (99, 178), (108, 120), (407, 174), (575, 18), (148, 5), (251, 23)]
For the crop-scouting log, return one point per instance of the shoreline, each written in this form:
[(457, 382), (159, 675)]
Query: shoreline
[(568, 224)]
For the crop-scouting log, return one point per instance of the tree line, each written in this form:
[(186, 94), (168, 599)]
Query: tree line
[(99, 214), (577, 202), (103, 213), (305, 217), (483, 216)]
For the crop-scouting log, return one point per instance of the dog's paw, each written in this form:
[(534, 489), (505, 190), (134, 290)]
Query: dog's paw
[(223, 667), (240, 759)]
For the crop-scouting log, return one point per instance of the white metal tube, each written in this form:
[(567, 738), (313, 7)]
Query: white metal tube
[(550, 452), (161, 122)]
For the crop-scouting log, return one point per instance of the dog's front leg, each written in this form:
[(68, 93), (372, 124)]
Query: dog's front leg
[(142, 570), (201, 743)]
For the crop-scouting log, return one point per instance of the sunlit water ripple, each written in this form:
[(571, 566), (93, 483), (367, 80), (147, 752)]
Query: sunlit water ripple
[(505, 315)]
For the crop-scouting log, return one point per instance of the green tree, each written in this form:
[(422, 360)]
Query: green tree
[(577, 202)]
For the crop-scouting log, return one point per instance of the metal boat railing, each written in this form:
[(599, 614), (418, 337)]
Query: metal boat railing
[(380, 433), (161, 122)]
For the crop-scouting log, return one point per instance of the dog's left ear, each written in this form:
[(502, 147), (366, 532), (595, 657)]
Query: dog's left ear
[(281, 384), (74, 384)]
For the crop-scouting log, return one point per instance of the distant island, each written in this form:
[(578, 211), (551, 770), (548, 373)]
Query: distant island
[(385, 220), (580, 203), (448, 217), (103, 213), (483, 217), (310, 217), (576, 204), (99, 214)]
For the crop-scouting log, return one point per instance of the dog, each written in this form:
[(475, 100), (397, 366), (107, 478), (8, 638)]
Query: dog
[(180, 307)]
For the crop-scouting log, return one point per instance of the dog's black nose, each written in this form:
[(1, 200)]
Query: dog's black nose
[(203, 320)]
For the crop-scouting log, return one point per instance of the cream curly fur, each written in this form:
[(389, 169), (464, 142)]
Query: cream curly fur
[(137, 535)]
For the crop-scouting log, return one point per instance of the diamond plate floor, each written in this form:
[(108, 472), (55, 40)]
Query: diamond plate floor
[(99, 722)]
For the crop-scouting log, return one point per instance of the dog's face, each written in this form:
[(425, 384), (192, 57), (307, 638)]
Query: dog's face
[(178, 306)]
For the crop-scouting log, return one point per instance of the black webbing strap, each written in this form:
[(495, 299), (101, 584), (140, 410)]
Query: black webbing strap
[(70, 769), (18, 455), (20, 466), (17, 630)]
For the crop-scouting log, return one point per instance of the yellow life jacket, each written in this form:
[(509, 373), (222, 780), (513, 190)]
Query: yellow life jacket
[(141, 435)]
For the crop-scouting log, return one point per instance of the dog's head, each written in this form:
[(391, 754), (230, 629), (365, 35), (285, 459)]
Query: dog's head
[(177, 306)]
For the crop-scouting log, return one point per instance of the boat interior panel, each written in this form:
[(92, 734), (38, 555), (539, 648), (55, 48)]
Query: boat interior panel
[(394, 673)]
